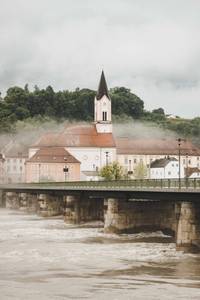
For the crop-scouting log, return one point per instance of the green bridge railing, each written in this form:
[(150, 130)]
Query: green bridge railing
[(137, 183)]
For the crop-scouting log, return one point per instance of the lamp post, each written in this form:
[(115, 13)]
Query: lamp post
[(65, 170), (186, 169), (39, 171), (107, 157), (179, 162)]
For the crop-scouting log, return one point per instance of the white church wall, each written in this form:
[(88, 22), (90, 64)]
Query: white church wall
[(103, 104), (93, 159)]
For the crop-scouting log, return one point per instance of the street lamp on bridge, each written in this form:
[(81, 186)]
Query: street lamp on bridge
[(65, 170), (179, 140)]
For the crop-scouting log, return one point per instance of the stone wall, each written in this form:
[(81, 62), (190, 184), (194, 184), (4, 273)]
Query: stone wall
[(82, 209), (50, 205), (188, 227), (129, 216)]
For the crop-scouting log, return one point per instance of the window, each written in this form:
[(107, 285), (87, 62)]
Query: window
[(184, 161), (189, 161), (172, 165), (197, 158), (20, 168), (104, 115), (125, 160), (169, 173), (135, 161)]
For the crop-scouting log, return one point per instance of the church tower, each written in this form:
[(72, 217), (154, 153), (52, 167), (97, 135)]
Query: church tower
[(102, 108)]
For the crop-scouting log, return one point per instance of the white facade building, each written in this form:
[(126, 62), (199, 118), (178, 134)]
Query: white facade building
[(15, 155), (93, 145), (131, 152), (165, 168)]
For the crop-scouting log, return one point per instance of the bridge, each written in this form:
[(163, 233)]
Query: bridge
[(172, 206)]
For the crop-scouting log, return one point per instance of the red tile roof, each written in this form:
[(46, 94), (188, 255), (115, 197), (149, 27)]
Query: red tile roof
[(53, 155), (77, 136), (190, 171), (155, 147)]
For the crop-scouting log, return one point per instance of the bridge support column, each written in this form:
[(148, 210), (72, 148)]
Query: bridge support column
[(50, 205), (31, 202), (188, 227), (72, 209), (12, 200), (116, 220), (23, 201), (123, 216), (83, 209), (2, 199)]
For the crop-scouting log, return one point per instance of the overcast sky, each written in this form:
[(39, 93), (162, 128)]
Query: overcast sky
[(149, 46)]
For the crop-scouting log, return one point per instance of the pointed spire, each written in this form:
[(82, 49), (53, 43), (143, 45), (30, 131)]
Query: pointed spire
[(102, 89)]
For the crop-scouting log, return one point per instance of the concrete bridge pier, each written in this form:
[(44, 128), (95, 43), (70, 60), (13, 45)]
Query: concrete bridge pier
[(123, 216), (23, 201), (116, 218), (31, 201), (188, 227), (50, 205), (2, 199), (72, 209), (80, 209), (12, 200)]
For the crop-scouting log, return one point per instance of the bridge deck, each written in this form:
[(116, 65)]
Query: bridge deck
[(138, 189)]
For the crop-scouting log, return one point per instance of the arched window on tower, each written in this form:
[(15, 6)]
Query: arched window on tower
[(104, 115)]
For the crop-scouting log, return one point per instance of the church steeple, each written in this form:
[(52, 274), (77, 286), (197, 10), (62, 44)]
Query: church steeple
[(102, 107), (102, 89)]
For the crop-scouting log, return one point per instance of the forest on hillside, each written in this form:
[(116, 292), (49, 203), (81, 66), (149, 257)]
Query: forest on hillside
[(22, 104)]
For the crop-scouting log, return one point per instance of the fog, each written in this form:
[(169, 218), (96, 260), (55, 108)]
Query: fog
[(28, 133)]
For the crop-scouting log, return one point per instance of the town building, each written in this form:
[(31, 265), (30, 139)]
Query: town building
[(52, 164), (92, 144), (132, 152), (193, 173), (165, 168), (15, 155)]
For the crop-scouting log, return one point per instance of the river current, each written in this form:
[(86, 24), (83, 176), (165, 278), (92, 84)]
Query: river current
[(44, 259)]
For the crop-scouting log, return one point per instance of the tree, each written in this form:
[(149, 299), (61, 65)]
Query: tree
[(159, 111), (125, 102), (113, 171), (140, 171)]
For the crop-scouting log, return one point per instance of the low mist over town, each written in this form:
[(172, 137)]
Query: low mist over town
[(99, 150)]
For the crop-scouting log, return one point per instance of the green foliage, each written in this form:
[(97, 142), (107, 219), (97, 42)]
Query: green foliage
[(21, 104), (140, 171), (125, 102), (113, 171), (159, 111)]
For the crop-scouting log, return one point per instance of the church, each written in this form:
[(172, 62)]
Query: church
[(80, 151), (92, 146)]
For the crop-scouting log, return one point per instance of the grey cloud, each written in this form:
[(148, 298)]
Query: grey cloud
[(151, 47)]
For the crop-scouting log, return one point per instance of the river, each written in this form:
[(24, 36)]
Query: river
[(46, 259)]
